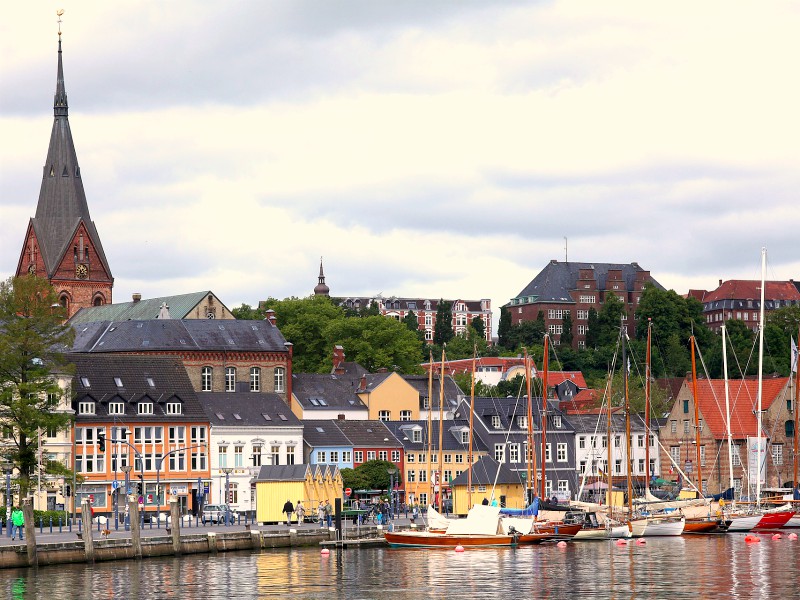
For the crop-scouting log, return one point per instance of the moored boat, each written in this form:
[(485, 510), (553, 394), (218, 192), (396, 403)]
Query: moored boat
[(657, 527), (773, 520), (701, 525)]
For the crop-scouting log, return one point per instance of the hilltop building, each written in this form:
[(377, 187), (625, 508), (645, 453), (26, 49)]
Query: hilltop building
[(741, 299)]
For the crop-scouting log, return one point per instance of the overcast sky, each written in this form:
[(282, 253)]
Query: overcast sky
[(432, 149)]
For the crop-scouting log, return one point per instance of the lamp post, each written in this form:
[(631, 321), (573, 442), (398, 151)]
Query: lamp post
[(392, 471), (127, 470), (227, 471)]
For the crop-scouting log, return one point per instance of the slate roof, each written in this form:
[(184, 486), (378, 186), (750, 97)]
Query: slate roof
[(246, 409), (170, 382), (178, 335), (180, 307), (330, 435), (450, 442), (317, 391), (353, 369), (588, 423), (416, 304), (485, 472), (62, 201), (743, 403), (510, 408), (555, 281), (372, 434), (283, 473)]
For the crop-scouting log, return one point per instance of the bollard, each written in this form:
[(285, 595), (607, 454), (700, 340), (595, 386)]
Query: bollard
[(175, 518), (136, 537), (212, 542), (88, 534), (30, 533), (51, 523)]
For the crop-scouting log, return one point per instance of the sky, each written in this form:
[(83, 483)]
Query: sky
[(423, 149)]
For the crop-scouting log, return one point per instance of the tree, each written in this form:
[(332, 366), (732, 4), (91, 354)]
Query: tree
[(375, 474), (609, 319), (527, 334), (566, 329), (32, 339), (504, 328), (376, 342), (443, 326), (354, 479), (247, 312), (302, 322), (465, 344), (410, 321), (479, 326)]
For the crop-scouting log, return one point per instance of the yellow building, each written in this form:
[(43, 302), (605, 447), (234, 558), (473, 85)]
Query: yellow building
[(308, 484), (505, 487), (389, 397)]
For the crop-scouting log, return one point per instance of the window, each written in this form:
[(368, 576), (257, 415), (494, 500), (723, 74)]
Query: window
[(421, 457), (275, 454), (686, 406), (513, 453), (777, 454), (255, 379), (383, 455), (416, 435), (561, 452), (641, 465), (174, 408), (334, 457), (673, 426), (495, 421), (395, 456), (177, 461), (652, 466), (737, 461), (116, 408), (651, 440), (618, 466), (198, 435), (411, 476), (383, 415), (346, 456), (405, 415), (685, 426), (675, 453), (85, 408), (640, 441), (547, 453), (238, 456), (280, 379), (459, 458), (499, 453), (410, 457), (358, 456), (448, 458), (370, 455), (522, 422), (448, 475), (588, 300), (223, 457), (426, 402), (205, 379), (583, 315), (230, 379), (465, 437), (789, 428), (423, 478), (145, 408), (199, 459), (563, 486), (557, 421), (581, 442)]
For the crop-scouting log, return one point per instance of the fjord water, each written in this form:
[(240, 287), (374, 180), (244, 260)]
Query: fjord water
[(684, 567)]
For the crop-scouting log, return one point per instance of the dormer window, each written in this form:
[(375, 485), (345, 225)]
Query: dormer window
[(495, 422), (416, 435), (116, 408), (85, 408), (145, 408), (557, 421), (174, 408), (465, 436), (522, 422)]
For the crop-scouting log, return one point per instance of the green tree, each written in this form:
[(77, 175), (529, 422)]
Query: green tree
[(302, 322), (373, 310), (787, 319), (32, 339), (464, 345), (376, 342), (247, 312), (504, 328), (443, 326), (354, 479), (411, 321), (464, 382), (375, 473), (526, 334), (609, 320), (513, 387), (479, 326), (566, 329)]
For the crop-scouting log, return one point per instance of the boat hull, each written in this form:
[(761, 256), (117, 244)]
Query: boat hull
[(773, 521), (657, 527), (425, 539), (701, 525), (603, 533), (743, 524)]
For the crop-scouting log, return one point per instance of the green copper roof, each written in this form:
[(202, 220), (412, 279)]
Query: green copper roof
[(179, 308)]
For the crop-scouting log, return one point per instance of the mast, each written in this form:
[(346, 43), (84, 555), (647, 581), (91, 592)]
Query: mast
[(430, 428), (696, 420), (441, 434), (627, 420), (727, 407), (796, 412), (609, 451), (471, 412), (761, 372), (647, 410), (545, 367), (531, 450)]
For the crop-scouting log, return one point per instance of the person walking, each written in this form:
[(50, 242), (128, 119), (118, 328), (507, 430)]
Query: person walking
[(300, 511), (17, 522), (288, 509), (329, 513), (321, 514)]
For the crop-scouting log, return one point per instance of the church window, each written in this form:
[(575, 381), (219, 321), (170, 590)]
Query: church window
[(52, 171), (65, 173)]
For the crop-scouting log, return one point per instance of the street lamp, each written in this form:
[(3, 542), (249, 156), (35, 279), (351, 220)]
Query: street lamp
[(227, 471), (127, 470), (392, 471)]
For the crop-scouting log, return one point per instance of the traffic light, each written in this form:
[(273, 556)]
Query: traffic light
[(67, 491), (101, 442)]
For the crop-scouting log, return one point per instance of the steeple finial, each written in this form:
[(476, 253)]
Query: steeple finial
[(60, 108), (321, 289)]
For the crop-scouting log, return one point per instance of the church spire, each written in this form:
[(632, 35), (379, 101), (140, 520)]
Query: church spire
[(60, 107), (321, 289)]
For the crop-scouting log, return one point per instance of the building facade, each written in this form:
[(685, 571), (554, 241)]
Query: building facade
[(571, 288), (740, 299)]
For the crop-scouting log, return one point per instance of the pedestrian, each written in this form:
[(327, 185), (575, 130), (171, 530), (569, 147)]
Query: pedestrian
[(485, 501), (414, 513), (300, 511), (17, 520), (288, 509), (329, 513), (321, 514)]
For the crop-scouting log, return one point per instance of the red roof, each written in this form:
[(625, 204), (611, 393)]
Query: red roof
[(556, 377), (585, 401), (750, 289), (743, 402)]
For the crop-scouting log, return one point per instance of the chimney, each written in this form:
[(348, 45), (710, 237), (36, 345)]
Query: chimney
[(270, 317), (137, 297), (362, 386), (340, 417), (338, 359), (720, 282), (382, 370)]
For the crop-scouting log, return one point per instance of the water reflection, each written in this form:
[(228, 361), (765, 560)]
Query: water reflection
[(662, 568)]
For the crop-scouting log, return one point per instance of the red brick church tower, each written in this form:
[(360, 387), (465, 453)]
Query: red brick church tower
[(62, 243)]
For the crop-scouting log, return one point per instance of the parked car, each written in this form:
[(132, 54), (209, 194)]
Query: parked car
[(215, 513)]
